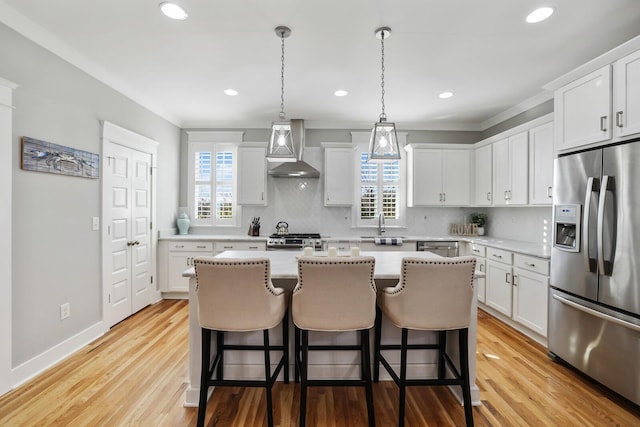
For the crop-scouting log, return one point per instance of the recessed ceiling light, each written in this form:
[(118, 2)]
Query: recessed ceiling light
[(230, 92), (340, 92), (539, 15), (445, 95), (173, 10)]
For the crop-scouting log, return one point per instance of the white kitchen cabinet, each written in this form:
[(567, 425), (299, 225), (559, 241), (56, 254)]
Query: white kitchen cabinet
[(252, 175), (541, 164), (510, 159), (530, 300), (439, 177), (583, 110), (626, 96), (479, 252), (338, 176), (178, 256), (601, 106), (483, 176), (499, 281), (238, 245)]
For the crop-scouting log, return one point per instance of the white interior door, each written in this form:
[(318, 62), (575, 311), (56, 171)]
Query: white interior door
[(127, 190)]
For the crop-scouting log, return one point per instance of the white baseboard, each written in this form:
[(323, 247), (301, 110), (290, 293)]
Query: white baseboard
[(38, 364)]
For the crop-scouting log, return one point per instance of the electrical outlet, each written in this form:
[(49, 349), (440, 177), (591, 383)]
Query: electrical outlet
[(95, 225), (65, 310)]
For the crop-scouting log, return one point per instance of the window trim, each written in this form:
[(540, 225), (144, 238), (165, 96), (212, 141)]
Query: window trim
[(214, 142)]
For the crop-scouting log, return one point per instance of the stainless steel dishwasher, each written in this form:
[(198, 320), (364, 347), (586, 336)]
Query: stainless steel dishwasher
[(446, 248)]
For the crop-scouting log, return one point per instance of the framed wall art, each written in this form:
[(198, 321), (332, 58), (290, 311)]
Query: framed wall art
[(43, 156)]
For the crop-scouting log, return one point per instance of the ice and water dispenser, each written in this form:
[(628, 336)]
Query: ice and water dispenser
[(567, 227)]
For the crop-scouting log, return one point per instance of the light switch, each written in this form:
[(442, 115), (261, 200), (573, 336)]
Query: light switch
[(96, 223)]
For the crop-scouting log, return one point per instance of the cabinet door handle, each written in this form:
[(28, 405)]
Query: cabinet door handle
[(549, 192), (201, 247), (603, 123), (497, 256), (505, 195), (619, 119), (444, 197), (515, 277), (179, 246), (262, 196), (253, 247), (529, 264), (507, 278), (481, 268), (489, 196), (475, 251)]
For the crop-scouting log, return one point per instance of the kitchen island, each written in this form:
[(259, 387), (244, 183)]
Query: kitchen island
[(284, 273)]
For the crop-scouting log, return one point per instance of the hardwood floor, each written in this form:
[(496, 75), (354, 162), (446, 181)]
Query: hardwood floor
[(136, 376)]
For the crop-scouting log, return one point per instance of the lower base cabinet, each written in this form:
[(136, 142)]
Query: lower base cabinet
[(175, 258), (517, 291)]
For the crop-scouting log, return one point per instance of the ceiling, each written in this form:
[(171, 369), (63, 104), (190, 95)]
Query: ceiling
[(483, 51)]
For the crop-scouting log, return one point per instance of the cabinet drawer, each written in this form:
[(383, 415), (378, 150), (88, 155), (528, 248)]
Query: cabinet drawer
[(537, 265), (499, 255), (478, 250), (191, 246), (239, 246)]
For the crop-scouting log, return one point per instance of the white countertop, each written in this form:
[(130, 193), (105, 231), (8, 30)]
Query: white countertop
[(540, 250), (284, 264)]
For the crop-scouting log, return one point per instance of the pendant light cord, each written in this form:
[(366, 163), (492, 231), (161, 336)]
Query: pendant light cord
[(282, 79), (383, 116)]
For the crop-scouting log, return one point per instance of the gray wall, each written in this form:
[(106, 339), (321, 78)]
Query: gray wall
[(526, 116), (56, 255)]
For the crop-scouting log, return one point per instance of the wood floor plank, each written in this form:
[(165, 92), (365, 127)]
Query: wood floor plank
[(136, 375)]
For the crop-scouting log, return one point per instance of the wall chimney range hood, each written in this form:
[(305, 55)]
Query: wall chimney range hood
[(299, 168)]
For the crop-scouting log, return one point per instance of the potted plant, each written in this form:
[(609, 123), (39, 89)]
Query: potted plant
[(480, 219)]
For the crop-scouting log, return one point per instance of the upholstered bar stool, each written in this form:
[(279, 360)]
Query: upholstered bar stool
[(432, 295), (334, 295), (236, 295)]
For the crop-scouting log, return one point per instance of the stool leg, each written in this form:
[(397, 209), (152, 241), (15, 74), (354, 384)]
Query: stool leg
[(403, 375), (220, 350), (377, 341), (366, 361), (267, 373), (204, 375), (296, 356), (463, 337), (303, 378), (442, 349), (285, 346)]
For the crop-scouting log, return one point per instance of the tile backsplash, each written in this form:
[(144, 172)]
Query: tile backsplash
[(299, 202)]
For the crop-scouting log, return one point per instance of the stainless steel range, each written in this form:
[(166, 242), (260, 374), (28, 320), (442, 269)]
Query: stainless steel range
[(294, 241)]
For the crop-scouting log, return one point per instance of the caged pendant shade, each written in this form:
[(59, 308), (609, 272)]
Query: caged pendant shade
[(281, 142), (383, 145)]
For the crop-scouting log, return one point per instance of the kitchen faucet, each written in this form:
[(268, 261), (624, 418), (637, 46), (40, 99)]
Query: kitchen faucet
[(380, 223)]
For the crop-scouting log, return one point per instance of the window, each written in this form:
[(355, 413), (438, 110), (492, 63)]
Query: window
[(212, 184), (380, 190)]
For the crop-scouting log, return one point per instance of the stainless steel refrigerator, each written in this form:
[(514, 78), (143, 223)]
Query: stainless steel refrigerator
[(594, 298)]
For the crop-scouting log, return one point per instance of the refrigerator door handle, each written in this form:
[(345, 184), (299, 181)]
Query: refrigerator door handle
[(608, 184), (590, 263), (596, 313)]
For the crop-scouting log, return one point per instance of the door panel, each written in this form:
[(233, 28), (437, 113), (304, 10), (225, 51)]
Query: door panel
[(621, 286), (127, 184), (568, 269)]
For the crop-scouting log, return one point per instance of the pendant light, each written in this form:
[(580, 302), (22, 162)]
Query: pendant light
[(281, 142), (383, 145)]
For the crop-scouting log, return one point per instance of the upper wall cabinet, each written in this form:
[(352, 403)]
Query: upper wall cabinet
[(541, 164), (338, 175), (583, 110), (439, 177), (626, 96), (601, 106), (483, 176), (511, 170), (252, 175)]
